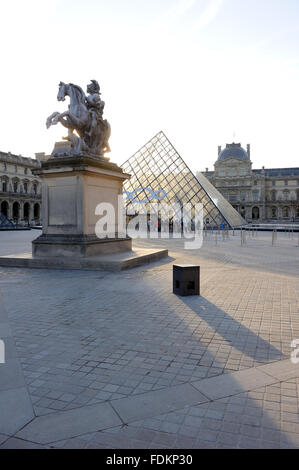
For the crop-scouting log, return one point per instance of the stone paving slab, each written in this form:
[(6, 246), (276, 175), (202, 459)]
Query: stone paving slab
[(282, 370), (255, 419), (15, 410), (152, 403), (231, 384), (71, 423)]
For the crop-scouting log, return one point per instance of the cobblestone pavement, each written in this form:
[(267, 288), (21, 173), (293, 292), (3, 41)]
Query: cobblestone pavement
[(77, 340)]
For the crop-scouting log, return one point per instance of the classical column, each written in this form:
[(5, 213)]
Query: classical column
[(9, 215), (31, 212), (248, 212), (21, 211)]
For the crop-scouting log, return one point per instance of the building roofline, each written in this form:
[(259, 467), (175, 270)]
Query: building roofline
[(18, 159)]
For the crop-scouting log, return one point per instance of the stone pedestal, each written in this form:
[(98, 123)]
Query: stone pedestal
[(72, 187)]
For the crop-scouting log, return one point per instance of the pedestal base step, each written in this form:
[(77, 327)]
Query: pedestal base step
[(109, 262)]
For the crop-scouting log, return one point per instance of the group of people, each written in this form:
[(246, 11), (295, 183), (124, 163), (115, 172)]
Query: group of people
[(177, 225)]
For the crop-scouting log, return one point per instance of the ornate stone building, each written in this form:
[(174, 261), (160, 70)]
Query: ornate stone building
[(20, 190), (265, 195)]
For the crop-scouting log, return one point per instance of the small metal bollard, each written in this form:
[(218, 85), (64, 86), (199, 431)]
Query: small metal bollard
[(243, 237), (186, 279)]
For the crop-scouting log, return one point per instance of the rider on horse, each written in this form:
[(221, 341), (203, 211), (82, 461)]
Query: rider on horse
[(95, 105), (84, 115)]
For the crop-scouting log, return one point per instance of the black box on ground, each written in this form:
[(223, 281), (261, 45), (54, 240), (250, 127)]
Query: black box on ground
[(186, 279)]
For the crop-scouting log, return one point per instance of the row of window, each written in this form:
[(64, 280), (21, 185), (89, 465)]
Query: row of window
[(232, 172), (286, 183), (16, 187), (285, 212), (255, 196), (235, 197), (273, 213), (286, 195), (26, 170), (17, 213), (243, 172), (237, 183)]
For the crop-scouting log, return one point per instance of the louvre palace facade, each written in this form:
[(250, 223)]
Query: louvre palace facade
[(20, 190), (263, 195)]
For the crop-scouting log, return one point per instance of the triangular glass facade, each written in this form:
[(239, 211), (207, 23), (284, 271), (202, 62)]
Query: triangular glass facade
[(4, 222), (158, 167)]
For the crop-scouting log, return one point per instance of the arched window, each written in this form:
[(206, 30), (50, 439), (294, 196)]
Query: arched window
[(15, 187), (26, 210), (273, 212), (4, 208), (255, 213), (16, 211), (297, 212), (285, 212)]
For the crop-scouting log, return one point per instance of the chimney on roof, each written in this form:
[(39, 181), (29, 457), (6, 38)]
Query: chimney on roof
[(219, 149), (207, 169), (248, 150), (40, 156)]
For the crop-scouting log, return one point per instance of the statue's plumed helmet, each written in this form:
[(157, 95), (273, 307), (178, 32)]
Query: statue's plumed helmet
[(94, 86)]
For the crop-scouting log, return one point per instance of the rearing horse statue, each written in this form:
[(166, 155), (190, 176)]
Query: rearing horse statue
[(85, 117)]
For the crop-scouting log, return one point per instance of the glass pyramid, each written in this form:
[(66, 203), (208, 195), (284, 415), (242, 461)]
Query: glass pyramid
[(157, 168), (5, 223)]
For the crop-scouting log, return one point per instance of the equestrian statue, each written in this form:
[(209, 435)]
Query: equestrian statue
[(88, 132)]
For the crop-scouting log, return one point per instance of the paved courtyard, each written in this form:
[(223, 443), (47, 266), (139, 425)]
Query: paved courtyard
[(100, 359)]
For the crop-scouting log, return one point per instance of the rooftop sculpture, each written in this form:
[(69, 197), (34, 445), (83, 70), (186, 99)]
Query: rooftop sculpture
[(85, 117)]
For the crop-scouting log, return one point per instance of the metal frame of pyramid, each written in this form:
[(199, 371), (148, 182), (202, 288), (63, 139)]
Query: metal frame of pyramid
[(157, 166)]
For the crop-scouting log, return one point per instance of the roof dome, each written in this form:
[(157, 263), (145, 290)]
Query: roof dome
[(233, 151)]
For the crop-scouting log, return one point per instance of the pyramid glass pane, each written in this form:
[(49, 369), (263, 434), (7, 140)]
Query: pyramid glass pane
[(158, 166)]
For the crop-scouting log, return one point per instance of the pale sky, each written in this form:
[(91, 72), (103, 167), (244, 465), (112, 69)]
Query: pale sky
[(200, 70)]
